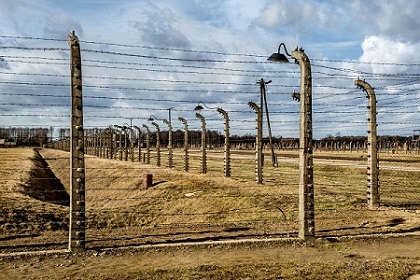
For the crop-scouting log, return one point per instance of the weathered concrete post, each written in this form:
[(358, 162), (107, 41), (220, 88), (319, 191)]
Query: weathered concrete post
[(105, 143), (113, 144), (306, 185), (95, 142), (306, 178), (120, 142), (131, 143), (157, 143), (186, 163), (138, 142), (227, 142), (77, 230), (124, 130), (102, 141), (170, 150), (203, 143), (372, 168), (99, 142), (147, 144), (258, 144)]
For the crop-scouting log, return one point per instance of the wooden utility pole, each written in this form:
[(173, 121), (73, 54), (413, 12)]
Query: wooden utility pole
[(263, 90), (77, 230), (373, 167)]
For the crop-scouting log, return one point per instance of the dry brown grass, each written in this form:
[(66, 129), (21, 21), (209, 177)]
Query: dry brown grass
[(115, 197), (194, 202), (15, 166)]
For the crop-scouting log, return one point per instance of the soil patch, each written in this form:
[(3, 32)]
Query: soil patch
[(345, 258)]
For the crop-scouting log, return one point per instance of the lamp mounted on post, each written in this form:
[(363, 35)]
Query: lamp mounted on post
[(120, 141), (131, 136), (138, 142), (279, 57), (306, 185), (227, 134), (152, 118), (199, 107)]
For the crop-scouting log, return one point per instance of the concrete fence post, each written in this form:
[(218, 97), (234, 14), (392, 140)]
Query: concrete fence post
[(258, 144), (147, 143), (306, 178), (170, 149), (186, 163), (124, 130), (138, 142), (227, 142), (372, 146), (77, 228), (157, 143), (131, 144), (203, 143), (120, 144)]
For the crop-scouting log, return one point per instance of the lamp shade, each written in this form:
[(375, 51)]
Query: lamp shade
[(278, 57)]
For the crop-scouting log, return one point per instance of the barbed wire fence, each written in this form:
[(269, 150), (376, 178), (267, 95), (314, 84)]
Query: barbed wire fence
[(126, 85)]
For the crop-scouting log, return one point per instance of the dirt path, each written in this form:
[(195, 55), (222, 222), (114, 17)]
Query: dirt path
[(368, 258)]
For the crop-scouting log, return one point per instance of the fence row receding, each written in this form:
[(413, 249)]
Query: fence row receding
[(106, 144)]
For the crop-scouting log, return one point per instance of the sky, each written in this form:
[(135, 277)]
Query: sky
[(141, 58)]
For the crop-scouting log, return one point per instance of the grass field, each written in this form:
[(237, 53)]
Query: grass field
[(183, 205)]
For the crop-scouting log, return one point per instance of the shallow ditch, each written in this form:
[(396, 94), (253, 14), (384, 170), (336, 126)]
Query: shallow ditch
[(44, 209), (43, 185)]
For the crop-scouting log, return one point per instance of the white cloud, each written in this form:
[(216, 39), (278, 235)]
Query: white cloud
[(59, 25), (159, 26), (241, 13), (276, 14), (9, 7), (398, 18), (36, 18), (382, 49), (300, 16)]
